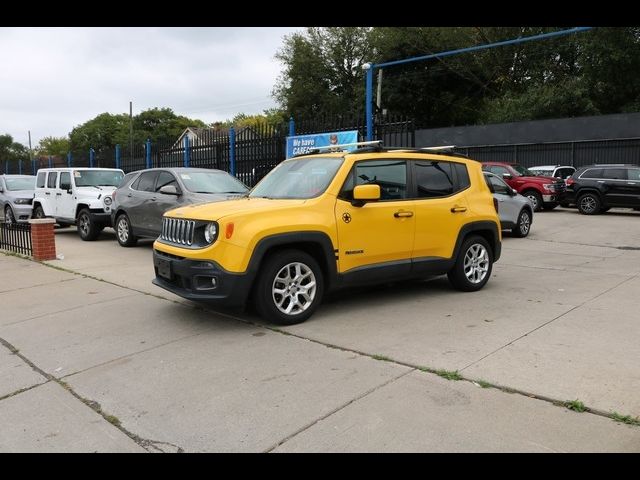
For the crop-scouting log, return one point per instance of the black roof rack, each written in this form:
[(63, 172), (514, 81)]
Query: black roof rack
[(376, 146)]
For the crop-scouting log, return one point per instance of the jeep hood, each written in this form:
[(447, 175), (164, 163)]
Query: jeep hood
[(217, 210)]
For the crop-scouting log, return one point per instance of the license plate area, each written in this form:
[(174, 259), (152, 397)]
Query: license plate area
[(164, 268)]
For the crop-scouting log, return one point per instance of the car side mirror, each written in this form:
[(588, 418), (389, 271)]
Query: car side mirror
[(169, 190), (365, 193), (507, 176), (514, 192)]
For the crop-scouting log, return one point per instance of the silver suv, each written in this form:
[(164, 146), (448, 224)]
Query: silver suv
[(144, 196), (515, 210), (16, 197)]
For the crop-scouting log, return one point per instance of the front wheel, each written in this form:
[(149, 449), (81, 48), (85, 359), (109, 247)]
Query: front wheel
[(87, 228), (524, 224), (473, 265), (38, 212), (124, 232), (289, 288), (8, 215), (535, 198)]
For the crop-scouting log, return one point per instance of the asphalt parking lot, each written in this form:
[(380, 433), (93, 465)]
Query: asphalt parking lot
[(93, 357)]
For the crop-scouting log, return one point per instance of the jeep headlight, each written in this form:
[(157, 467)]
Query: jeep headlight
[(23, 201), (108, 200), (211, 232)]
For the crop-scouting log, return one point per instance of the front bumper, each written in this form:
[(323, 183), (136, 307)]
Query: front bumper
[(200, 280), (22, 213), (553, 198), (101, 217)]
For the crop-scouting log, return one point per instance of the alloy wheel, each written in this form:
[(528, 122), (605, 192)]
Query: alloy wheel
[(294, 288), (476, 263)]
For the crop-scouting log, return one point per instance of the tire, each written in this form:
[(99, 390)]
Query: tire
[(124, 232), (589, 204), (38, 212), (549, 206), (523, 226), (274, 301), (87, 228), (9, 217), (536, 199), (475, 252)]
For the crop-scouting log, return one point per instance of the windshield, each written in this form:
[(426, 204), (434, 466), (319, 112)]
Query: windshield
[(298, 178), (542, 173), (523, 171), (20, 183), (212, 182), (97, 178)]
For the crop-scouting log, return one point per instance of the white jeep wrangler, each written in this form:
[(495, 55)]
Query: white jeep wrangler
[(80, 196)]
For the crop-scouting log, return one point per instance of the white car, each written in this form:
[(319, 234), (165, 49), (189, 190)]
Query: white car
[(515, 210), (80, 196), (559, 171)]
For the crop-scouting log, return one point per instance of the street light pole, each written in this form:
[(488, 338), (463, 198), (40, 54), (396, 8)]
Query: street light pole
[(131, 130)]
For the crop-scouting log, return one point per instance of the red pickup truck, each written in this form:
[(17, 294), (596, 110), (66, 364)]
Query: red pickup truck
[(544, 192)]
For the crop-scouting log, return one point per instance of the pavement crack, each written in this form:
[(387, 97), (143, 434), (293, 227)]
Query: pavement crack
[(337, 409), (38, 285), (547, 323)]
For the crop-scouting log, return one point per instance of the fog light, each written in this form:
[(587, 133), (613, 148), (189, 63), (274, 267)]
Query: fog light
[(214, 282)]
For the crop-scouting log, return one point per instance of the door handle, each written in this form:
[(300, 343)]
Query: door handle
[(457, 209), (129, 195), (58, 193), (153, 199), (402, 214), (47, 193)]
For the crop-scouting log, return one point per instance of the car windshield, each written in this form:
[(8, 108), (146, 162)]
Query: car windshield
[(522, 171), (212, 182), (298, 178), (97, 178), (20, 183)]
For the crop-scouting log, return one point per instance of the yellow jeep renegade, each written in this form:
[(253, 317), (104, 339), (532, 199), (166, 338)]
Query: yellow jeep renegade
[(323, 221)]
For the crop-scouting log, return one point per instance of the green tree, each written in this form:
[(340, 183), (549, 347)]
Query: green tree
[(12, 151), (323, 70), (56, 146)]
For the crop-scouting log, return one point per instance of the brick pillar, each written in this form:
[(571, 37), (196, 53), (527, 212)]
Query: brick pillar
[(43, 238)]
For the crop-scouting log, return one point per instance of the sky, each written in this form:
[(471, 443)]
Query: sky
[(53, 79)]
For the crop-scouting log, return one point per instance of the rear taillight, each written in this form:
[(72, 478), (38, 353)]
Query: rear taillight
[(495, 205), (570, 181)]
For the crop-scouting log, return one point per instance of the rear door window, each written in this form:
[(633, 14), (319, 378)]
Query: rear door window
[(146, 182), (434, 179), (51, 180)]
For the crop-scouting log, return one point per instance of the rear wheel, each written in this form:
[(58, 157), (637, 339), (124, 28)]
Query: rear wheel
[(8, 215), (124, 232), (524, 224), (589, 204), (536, 200), (87, 228), (473, 265), (289, 288)]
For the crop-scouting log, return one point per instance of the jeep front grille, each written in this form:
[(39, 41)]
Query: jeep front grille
[(177, 231)]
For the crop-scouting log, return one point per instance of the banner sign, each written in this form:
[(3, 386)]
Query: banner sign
[(301, 144)]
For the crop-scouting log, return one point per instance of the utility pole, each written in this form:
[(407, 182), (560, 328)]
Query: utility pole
[(30, 154), (379, 92), (131, 130)]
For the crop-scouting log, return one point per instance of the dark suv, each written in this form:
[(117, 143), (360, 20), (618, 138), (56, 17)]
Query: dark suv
[(596, 188)]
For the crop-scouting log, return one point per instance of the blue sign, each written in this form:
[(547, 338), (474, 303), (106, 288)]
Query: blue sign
[(301, 144)]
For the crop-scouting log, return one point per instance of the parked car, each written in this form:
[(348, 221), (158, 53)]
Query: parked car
[(597, 188), (16, 197), (318, 222), (80, 196), (558, 171), (515, 210), (544, 192), (145, 195)]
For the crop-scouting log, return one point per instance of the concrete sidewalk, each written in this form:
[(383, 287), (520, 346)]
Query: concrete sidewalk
[(112, 363)]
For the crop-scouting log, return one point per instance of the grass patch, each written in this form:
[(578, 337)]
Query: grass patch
[(382, 357), (449, 375), (628, 419), (112, 420), (575, 405)]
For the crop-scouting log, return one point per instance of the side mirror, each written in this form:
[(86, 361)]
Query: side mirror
[(365, 193), (514, 192), (169, 190), (507, 176)]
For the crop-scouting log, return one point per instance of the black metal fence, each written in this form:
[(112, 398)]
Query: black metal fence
[(577, 154), (16, 237), (252, 151)]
